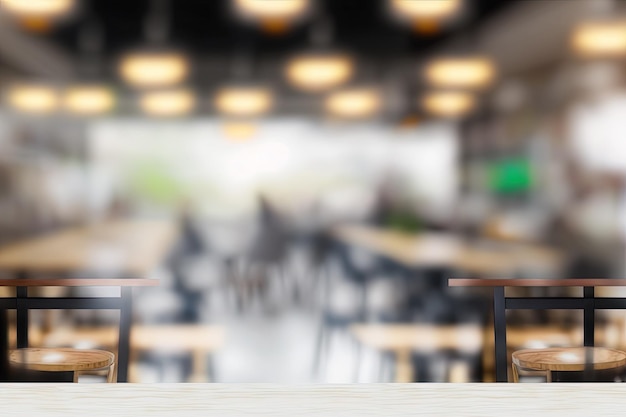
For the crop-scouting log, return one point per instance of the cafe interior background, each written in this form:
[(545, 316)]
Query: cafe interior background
[(324, 166)]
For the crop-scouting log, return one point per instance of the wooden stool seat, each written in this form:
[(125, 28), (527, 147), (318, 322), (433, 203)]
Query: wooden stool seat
[(64, 360), (567, 359)]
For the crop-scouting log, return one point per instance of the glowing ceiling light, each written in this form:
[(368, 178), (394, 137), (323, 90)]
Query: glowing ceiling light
[(33, 98), (319, 72), (355, 103), (167, 103), (600, 39), (449, 104), (49, 9), (275, 9), (239, 130), (244, 101), (152, 69), (88, 100), (426, 9), (476, 72)]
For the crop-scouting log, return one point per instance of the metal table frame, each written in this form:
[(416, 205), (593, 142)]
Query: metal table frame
[(588, 303), (22, 303)]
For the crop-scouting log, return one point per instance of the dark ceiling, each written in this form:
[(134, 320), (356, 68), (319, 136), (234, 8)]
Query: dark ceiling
[(208, 27), (215, 37)]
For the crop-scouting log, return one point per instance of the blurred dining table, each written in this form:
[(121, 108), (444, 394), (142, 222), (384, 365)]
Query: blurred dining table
[(482, 257), (115, 253)]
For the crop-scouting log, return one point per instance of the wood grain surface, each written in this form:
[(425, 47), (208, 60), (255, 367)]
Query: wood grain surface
[(384, 400), (61, 359), (569, 358)]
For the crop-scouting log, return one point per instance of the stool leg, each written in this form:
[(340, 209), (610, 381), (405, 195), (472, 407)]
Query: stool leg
[(76, 373), (515, 374), (111, 374), (548, 376)]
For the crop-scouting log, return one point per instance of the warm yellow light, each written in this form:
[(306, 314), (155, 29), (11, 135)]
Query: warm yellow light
[(355, 103), (38, 8), (600, 39), (88, 100), (274, 9), (167, 103), (154, 69), (448, 104), (244, 101), (460, 72), (319, 72), (426, 9), (239, 130), (33, 98)]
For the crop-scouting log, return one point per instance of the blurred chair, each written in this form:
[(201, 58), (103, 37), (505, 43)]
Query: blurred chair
[(265, 265), (441, 309), (357, 290)]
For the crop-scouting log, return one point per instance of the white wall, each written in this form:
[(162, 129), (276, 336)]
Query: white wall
[(297, 159)]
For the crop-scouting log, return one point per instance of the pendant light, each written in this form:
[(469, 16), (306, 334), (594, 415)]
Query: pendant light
[(426, 9), (321, 69), (315, 72), (426, 16), (167, 103), (244, 101), (89, 97), (354, 103), (32, 98), (602, 34), (600, 39), (44, 9), (472, 72), (88, 100), (274, 17), (39, 15), (448, 103), (155, 65)]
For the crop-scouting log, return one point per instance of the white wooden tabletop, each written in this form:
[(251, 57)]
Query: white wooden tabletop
[(388, 400)]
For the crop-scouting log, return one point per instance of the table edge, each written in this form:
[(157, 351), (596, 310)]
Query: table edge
[(533, 282), (79, 282)]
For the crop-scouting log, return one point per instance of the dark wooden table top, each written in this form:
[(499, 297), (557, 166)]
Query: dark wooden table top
[(510, 282)]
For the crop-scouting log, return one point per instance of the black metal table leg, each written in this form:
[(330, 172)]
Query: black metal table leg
[(589, 316), (4, 346), (499, 330), (22, 317), (123, 351), (589, 329)]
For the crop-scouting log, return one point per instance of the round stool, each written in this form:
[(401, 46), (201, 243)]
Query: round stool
[(569, 359), (64, 360)]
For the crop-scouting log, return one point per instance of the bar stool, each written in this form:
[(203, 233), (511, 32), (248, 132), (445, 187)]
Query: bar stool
[(569, 359), (64, 360)]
